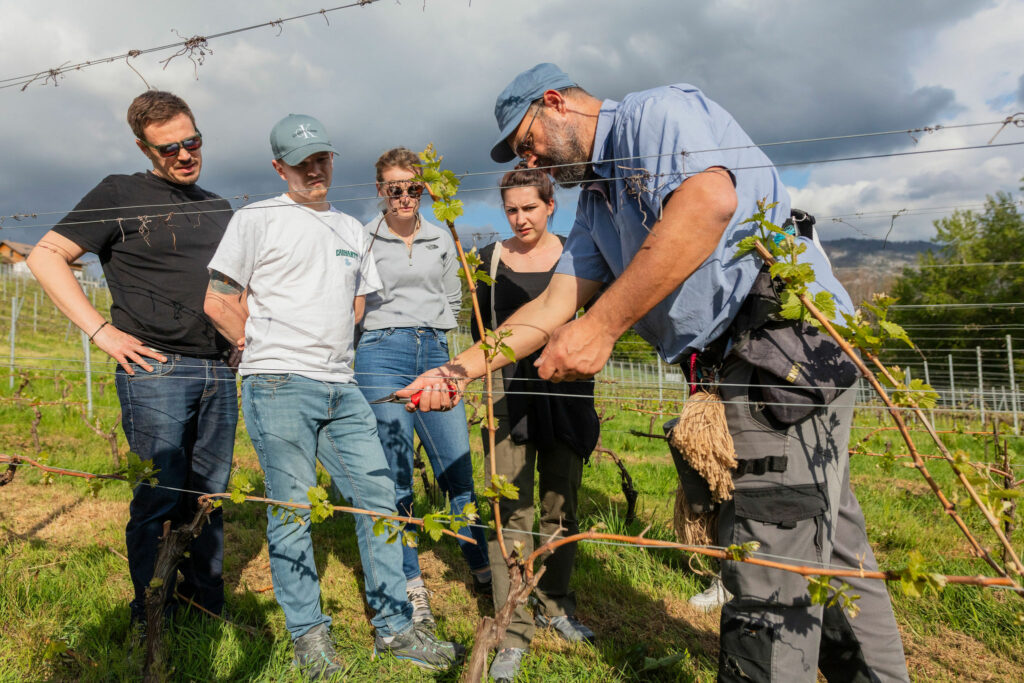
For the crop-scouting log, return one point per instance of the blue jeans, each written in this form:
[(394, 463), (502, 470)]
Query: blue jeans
[(390, 359), (182, 417), (294, 421)]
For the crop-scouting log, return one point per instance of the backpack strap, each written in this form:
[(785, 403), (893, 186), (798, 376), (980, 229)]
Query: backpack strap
[(498, 376), (495, 260)]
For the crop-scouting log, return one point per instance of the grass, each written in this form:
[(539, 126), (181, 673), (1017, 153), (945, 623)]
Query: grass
[(64, 587)]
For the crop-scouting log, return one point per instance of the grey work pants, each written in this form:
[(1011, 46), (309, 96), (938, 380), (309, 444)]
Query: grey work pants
[(560, 472), (770, 631)]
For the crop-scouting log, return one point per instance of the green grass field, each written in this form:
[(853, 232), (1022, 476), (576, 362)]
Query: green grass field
[(64, 584)]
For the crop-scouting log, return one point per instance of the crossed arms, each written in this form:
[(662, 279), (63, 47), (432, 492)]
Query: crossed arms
[(227, 307)]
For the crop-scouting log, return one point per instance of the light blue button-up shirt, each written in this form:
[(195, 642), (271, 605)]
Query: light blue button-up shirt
[(644, 148)]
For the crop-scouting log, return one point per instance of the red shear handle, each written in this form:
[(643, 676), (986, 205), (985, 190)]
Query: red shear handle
[(453, 393)]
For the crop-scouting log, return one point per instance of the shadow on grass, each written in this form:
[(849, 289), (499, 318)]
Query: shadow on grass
[(635, 606), (617, 595), (193, 647)]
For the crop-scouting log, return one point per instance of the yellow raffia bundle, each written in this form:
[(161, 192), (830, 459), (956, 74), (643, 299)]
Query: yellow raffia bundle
[(693, 528), (702, 436)]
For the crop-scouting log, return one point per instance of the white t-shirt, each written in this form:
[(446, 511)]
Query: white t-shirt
[(303, 269)]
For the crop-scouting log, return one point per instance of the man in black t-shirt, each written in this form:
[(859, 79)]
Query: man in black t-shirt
[(154, 233)]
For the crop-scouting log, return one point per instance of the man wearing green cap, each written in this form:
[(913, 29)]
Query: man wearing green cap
[(668, 179), (287, 285)]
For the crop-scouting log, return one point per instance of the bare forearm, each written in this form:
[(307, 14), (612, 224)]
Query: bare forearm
[(359, 308), (524, 340), (227, 307), (691, 226), (530, 326), (50, 262), (52, 271), (227, 313)]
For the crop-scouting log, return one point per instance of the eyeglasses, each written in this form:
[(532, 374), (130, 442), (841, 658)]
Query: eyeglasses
[(525, 146), (172, 149), (395, 190)]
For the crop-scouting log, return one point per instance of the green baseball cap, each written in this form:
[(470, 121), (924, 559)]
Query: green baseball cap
[(296, 137)]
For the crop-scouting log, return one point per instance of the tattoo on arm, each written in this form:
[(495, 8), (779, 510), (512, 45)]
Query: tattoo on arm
[(222, 284)]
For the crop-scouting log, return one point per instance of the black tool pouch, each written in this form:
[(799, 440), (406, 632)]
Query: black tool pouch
[(695, 487), (798, 367)]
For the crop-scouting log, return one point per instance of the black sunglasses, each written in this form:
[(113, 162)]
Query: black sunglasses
[(414, 190), (172, 149)]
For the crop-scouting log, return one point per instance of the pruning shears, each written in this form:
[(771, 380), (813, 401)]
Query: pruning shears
[(414, 400), (393, 397)]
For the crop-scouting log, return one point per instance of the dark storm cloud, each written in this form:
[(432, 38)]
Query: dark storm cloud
[(391, 74), (802, 71)]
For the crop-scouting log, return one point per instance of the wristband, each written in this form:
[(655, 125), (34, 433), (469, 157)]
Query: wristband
[(105, 323)]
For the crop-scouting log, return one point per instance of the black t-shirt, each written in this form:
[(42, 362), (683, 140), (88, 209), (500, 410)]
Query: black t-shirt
[(154, 239), (539, 411)]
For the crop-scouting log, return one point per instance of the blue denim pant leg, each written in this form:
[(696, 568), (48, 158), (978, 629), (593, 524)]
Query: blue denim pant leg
[(182, 417), (388, 360), (293, 421)]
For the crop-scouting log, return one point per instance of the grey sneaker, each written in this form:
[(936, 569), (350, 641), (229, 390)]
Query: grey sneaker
[(315, 655), (419, 647), (505, 664), (567, 627), (422, 617), (712, 598)]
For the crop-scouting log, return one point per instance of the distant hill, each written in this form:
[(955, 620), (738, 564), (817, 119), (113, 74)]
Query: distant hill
[(867, 266), (857, 253)]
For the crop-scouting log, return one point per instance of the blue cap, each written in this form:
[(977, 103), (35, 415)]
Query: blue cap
[(296, 137), (512, 103)]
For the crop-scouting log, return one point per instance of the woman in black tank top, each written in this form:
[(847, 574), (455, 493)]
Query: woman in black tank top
[(546, 428)]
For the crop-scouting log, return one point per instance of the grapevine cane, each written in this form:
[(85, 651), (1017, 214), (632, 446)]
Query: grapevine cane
[(442, 186), (897, 418), (554, 543)]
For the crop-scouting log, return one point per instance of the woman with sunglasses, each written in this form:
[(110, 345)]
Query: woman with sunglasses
[(404, 335), (543, 427)]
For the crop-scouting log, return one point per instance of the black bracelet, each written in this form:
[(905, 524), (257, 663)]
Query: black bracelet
[(105, 323)]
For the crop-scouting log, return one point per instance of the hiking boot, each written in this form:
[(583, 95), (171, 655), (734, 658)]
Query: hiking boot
[(485, 588), (505, 664), (567, 627), (422, 617), (315, 655), (138, 630), (711, 599), (419, 647)]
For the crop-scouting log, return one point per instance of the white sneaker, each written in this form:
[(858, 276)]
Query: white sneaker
[(711, 599)]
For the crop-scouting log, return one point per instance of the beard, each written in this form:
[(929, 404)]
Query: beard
[(566, 154)]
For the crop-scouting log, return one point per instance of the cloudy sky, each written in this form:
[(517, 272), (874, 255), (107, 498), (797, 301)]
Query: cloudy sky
[(416, 72)]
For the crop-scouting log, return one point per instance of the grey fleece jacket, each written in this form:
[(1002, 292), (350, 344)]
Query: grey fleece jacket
[(421, 283)]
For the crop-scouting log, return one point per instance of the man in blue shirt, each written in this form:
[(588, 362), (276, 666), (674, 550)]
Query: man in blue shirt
[(668, 178)]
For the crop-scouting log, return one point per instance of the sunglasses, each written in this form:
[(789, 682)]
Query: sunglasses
[(414, 190), (525, 146), (172, 149)]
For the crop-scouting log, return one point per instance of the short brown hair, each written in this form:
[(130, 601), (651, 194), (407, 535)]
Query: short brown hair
[(528, 177), (155, 106), (399, 157)]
